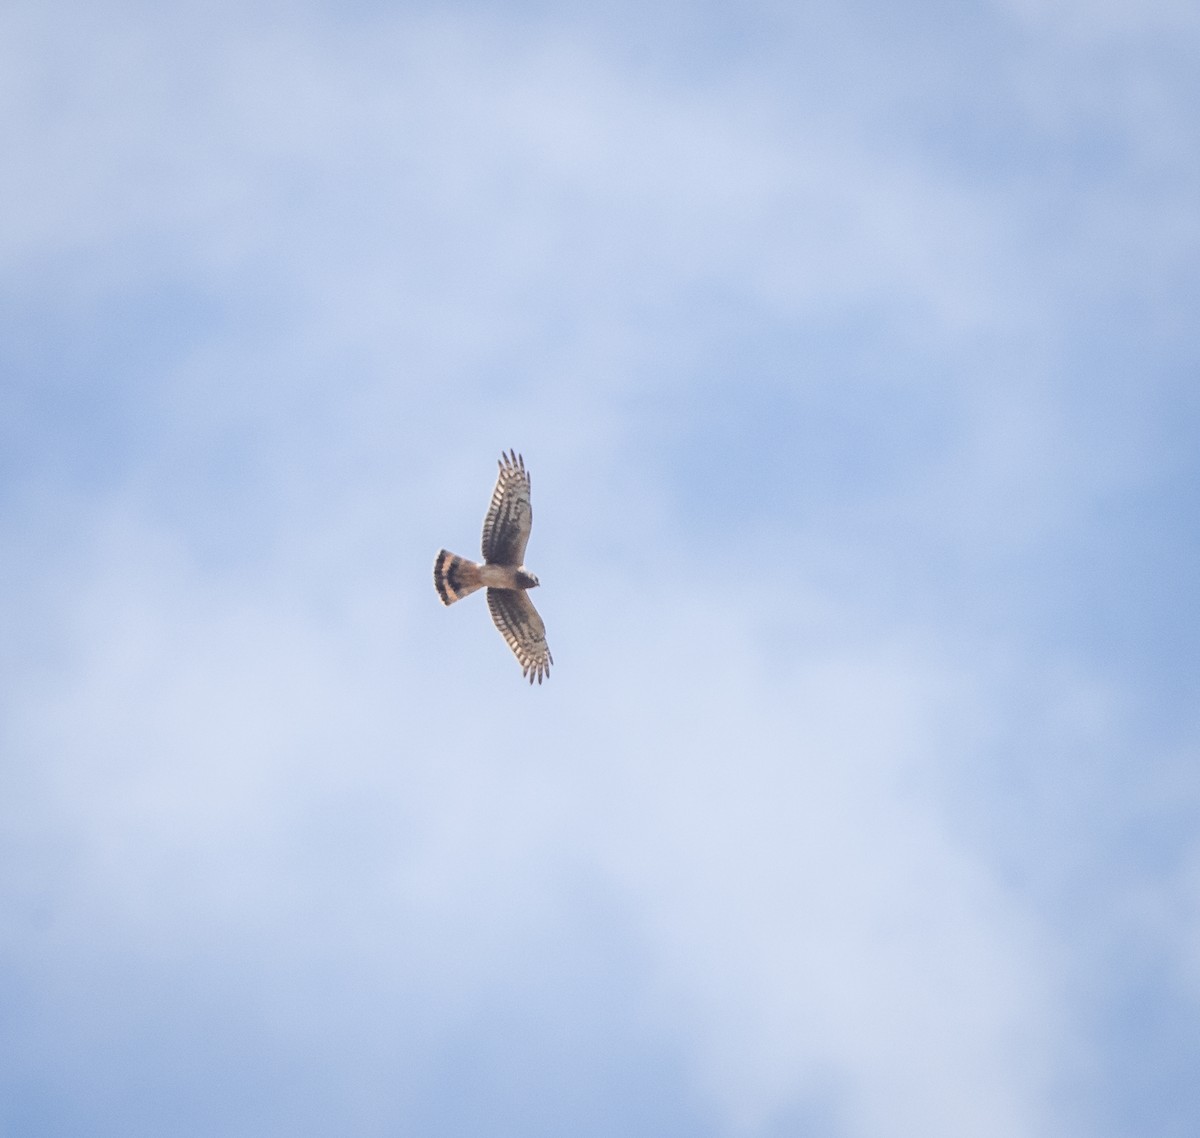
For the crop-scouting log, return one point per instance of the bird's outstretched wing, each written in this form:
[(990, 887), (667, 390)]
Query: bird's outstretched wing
[(510, 515), (520, 625)]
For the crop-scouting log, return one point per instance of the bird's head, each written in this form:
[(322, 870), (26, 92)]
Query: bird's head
[(526, 579)]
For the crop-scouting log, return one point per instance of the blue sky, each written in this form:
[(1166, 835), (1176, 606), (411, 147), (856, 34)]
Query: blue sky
[(853, 350)]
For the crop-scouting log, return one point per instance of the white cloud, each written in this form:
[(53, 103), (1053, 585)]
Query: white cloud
[(221, 762)]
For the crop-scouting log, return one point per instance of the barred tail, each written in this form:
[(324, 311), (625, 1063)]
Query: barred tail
[(454, 577)]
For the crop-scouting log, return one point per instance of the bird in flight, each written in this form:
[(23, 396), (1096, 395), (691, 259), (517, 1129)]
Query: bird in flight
[(503, 573)]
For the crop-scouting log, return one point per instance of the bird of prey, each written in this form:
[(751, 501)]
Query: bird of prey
[(503, 573)]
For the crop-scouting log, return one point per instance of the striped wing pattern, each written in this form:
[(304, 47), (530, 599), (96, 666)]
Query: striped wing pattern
[(522, 628), (510, 515)]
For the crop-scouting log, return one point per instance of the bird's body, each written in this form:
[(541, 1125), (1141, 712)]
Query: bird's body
[(505, 535), (455, 577)]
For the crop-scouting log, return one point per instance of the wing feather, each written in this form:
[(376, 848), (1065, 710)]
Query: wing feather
[(510, 515), (519, 624)]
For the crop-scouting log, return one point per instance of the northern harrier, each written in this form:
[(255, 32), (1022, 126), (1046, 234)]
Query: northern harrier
[(505, 535)]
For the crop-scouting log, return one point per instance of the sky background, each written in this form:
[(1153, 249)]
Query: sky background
[(853, 348)]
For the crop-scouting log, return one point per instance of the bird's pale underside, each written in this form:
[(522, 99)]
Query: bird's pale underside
[(502, 572)]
